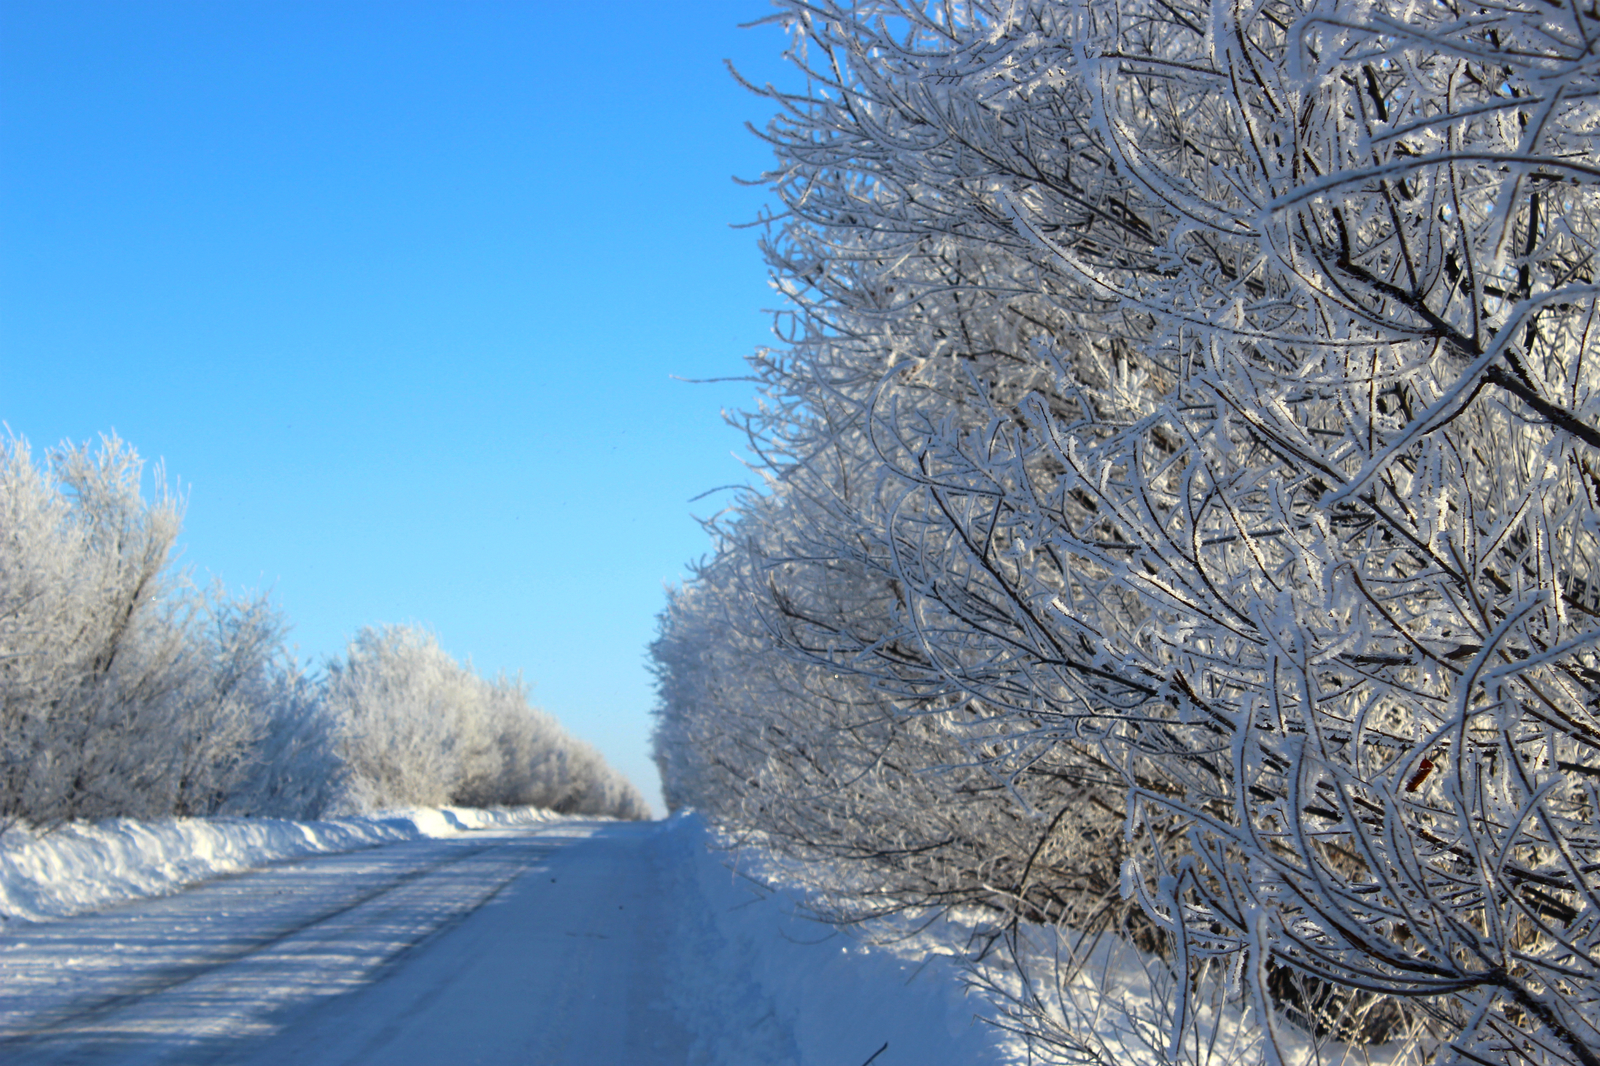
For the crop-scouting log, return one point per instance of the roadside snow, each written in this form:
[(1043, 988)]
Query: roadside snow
[(762, 983), (758, 981), (575, 941), (605, 942), (82, 867)]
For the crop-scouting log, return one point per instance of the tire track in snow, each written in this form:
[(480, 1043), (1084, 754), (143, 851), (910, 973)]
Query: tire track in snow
[(220, 960), (161, 981)]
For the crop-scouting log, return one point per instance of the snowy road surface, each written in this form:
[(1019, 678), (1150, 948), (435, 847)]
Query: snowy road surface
[(527, 946)]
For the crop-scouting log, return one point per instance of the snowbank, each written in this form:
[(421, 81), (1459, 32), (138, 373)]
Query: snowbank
[(786, 990), (762, 983), (85, 866)]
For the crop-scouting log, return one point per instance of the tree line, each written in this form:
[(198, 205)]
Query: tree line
[(128, 691), (1179, 518)]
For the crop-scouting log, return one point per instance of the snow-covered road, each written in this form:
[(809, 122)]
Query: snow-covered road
[(566, 941), (509, 946)]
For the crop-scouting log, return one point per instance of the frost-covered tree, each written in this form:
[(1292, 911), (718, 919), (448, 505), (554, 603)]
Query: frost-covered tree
[(911, 287), (239, 690), (1360, 532), (293, 769), (416, 727), (125, 691), (91, 653), (776, 718), (402, 704), (1203, 392)]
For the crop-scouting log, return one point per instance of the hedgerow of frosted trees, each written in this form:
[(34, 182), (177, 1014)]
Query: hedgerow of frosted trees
[(1181, 496), (127, 692)]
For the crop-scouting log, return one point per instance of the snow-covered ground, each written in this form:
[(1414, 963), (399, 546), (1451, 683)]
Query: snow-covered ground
[(760, 983), (460, 936), (81, 867), (531, 939)]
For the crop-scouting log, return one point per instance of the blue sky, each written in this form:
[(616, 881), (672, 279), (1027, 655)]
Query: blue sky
[(397, 291)]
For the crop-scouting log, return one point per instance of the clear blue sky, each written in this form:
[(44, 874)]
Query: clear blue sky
[(397, 292)]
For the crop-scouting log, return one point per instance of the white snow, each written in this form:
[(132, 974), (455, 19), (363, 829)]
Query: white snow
[(758, 982), (541, 939), (521, 935), (81, 867)]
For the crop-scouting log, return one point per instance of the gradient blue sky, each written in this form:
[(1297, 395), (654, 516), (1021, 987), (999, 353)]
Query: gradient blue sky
[(397, 291)]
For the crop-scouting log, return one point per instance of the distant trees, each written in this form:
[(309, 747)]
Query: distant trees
[(417, 727), (1182, 490), (125, 691)]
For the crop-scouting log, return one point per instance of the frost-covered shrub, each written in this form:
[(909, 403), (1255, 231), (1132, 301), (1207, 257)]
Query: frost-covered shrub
[(415, 727), (293, 770), (126, 691), (92, 652), (1191, 407), (401, 703)]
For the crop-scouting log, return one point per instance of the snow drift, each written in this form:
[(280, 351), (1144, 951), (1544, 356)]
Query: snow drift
[(81, 867)]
